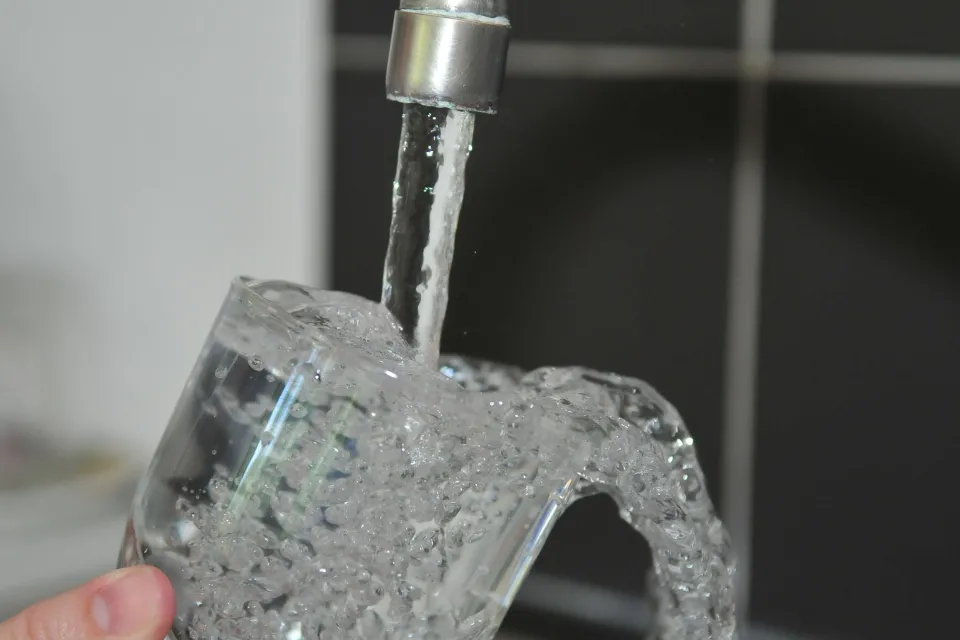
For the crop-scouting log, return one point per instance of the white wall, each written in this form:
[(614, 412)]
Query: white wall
[(150, 150)]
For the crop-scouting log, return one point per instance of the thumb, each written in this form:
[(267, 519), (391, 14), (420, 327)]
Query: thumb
[(129, 604)]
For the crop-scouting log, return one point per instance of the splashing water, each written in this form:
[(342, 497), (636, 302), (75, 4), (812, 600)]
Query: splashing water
[(356, 491), (428, 194)]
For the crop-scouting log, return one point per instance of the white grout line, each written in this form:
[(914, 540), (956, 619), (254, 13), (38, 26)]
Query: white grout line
[(565, 60), (607, 61), (867, 69), (743, 319)]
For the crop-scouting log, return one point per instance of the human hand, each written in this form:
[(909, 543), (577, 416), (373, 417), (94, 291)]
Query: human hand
[(129, 604)]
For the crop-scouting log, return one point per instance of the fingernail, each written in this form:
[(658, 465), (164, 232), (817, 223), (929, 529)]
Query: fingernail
[(127, 603)]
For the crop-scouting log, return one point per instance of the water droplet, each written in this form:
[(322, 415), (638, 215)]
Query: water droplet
[(424, 542), (220, 373), (475, 535), (256, 363), (219, 490), (298, 410)]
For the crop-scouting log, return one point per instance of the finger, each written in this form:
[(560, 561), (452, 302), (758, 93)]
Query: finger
[(129, 604)]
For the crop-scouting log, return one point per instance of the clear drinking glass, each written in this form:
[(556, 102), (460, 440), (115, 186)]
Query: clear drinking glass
[(317, 481)]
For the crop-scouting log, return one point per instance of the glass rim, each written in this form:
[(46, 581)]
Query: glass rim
[(246, 288), (245, 284)]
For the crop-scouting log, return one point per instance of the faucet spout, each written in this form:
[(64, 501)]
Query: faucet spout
[(449, 53)]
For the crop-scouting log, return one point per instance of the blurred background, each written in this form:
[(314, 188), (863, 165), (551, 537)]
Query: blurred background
[(744, 202)]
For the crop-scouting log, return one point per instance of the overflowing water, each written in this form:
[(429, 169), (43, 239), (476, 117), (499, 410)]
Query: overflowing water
[(326, 477), (428, 194)]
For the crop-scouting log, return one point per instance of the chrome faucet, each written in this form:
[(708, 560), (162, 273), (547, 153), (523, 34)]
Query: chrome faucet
[(449, 53)]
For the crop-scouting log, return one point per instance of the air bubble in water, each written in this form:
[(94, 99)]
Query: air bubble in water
[(298, 410)]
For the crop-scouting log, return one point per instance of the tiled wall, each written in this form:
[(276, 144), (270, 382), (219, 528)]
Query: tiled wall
[(597, 229), (859, 26), (857, 420)]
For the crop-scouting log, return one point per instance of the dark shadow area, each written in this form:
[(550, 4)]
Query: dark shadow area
[(887, 160), (856, 417), (536, 626), (868, 26), (578, 548)]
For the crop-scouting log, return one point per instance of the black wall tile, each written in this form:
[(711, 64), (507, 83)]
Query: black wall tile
[(923, 26), (857, 445), (594, 232), (372, 17), (642, 22)]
